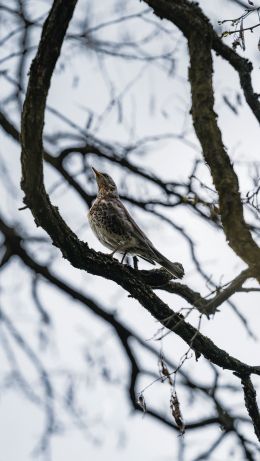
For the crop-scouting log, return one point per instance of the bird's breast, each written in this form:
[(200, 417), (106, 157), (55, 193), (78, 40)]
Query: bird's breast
[(106, 223)]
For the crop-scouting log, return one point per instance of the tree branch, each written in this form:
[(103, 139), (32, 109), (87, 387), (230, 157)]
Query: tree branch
[(207, 306), (251, 403), (168, 318), (14, 242), (187, 16)]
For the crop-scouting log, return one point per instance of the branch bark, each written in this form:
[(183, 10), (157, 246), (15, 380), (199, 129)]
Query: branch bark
[(189, 17), (168, 318), (251, 403), (15, 244), (196, 28), (78, 253)]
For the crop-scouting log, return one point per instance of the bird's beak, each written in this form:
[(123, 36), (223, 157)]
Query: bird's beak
[(97, 173)]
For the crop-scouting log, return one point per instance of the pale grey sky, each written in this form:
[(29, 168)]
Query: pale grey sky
[(113, 431)]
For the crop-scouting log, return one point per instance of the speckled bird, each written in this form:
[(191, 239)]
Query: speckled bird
[(116, 229)]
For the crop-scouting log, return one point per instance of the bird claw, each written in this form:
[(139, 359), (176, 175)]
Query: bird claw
[(135, 260)]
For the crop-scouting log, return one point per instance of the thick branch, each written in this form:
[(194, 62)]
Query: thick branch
[(224, 176), (174, 322), (14, 243), (187, 16), (155, 278), (251, 403), (49, 218), (190, 18)]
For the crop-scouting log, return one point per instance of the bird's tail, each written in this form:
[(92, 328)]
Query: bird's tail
[(176, 269)]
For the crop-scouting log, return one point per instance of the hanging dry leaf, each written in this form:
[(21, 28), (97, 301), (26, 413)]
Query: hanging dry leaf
[(176, 412), (241, 35), (164, 372)]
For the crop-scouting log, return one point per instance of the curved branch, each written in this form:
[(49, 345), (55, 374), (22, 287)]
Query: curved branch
[(208, 132), (189, 18), (207, 306), (14, 243), (78, 253), (251, 403), (171, 320)]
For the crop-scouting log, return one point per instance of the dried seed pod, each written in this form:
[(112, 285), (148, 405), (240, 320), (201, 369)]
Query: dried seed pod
[(141, 402)]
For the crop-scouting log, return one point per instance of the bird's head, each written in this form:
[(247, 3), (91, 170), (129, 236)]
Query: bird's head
[(106, 185)]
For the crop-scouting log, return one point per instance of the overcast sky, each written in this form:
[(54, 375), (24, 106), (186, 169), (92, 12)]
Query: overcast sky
[(112, 431)]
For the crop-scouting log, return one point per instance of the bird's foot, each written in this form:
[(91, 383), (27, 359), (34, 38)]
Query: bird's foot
[(124, 255), (135, 260)]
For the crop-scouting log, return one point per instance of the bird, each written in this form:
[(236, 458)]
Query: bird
[(117, 230)]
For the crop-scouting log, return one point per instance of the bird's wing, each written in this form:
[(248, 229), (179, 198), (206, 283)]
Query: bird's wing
[(129, 223)]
